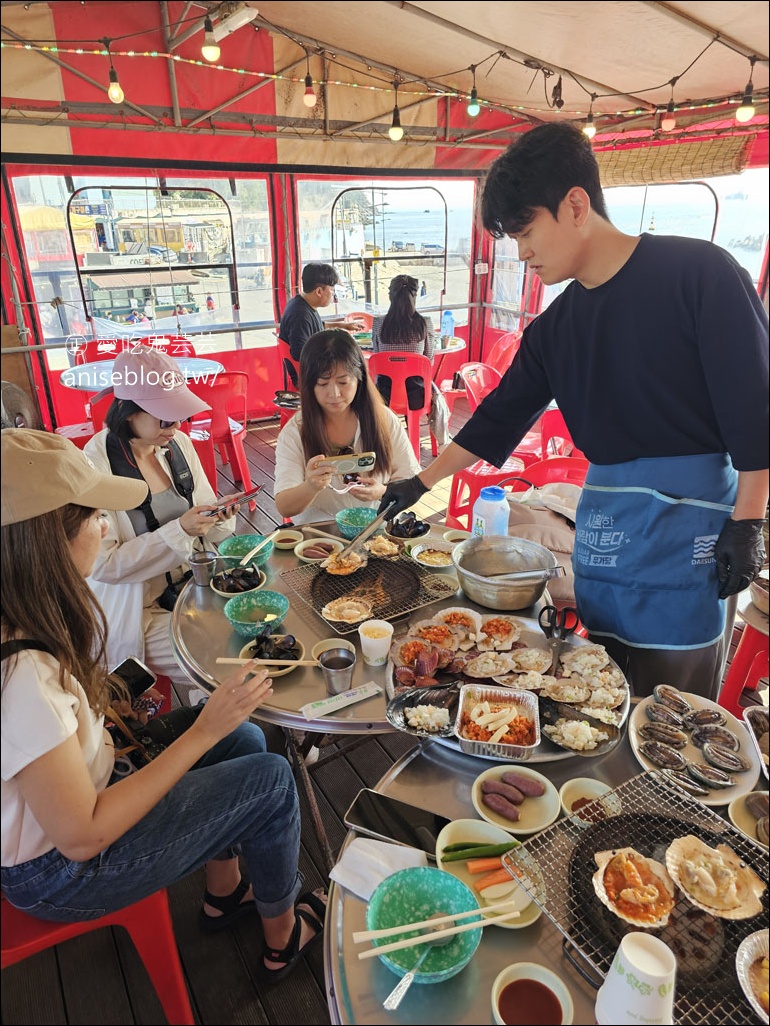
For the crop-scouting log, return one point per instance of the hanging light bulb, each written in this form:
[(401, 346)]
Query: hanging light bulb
[(746, 110), (474, 107), (668, 121), (309, 99), (589, 128), (556, 97), (396, 132), (210, 50), (114, 92)]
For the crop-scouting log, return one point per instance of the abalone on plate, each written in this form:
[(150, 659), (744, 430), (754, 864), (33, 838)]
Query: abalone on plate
[(637, 889), (714, 879)]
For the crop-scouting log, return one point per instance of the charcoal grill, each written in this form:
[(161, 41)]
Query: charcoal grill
[(557, 865), (393, 586)]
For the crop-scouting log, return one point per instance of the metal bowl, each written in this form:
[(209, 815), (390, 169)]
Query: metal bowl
[(478, 558)]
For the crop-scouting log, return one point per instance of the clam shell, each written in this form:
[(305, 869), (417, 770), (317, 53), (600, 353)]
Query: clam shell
[(716, 735), (667, 695), (663, 880), (714, 879), (709, 776), (662, 714), (664, 734), (724, 758), (704, 718), (663, 755)]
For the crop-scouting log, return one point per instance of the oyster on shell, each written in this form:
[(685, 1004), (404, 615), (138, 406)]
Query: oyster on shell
[(637, 889), (714, 879)]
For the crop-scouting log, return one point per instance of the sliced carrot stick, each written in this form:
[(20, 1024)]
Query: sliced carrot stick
[(497, 877), (483, 865)]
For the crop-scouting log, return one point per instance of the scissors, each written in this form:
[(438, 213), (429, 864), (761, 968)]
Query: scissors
[(557, 625)]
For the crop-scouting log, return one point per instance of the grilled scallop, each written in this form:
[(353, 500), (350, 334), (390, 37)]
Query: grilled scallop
[(637, 889), (714, 879)]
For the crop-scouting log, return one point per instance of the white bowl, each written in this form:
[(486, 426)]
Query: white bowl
[(229, 594), (417, 548), (742, 819), (534, 813), (299, 550), (539, 973), (750, 949), (588, 787), (278, 671), (476, 830), (454, 536), (327, 643), (287, 538)]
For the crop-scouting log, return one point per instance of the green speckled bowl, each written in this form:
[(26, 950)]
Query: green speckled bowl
[(237, 545), (353, 520), (246, 613), (410, 896)]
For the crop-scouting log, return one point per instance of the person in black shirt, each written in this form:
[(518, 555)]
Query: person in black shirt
[(301, 318), (657, 356)]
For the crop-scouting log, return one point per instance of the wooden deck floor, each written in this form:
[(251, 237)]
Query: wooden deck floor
[(99, 978)]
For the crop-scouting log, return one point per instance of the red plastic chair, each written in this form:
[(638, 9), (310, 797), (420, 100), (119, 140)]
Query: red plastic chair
[(572, 469), (289, 365), (467, 484), (224, 425), (480, 379), (748, 665), (501, 354), (555, 437), (365, 318), (149, 925), (398, 367)]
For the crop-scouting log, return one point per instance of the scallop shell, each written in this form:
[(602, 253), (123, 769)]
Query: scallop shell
[(664, 883), (459, 616), (667, 695), (714, 879), (567, 690), (440, 634), (587, 659), (527, 659), (347, 610), (503, 631), (488, 664), (404, 651)]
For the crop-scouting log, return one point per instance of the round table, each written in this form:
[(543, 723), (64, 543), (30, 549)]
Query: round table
[(93, 377)]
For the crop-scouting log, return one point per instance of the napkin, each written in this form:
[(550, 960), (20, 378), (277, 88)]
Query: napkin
[(366, 862)]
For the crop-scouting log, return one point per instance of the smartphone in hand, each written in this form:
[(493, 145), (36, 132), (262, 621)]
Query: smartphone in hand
[(137, 677), (239, 499), (356, 463)]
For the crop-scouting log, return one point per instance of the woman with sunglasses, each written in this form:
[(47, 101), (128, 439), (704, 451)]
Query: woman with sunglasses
[(340, 413), (143, 557)]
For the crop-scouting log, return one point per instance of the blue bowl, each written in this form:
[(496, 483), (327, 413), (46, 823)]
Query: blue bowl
[(353, 520), (410, 896), (247, 613), (237, 545)]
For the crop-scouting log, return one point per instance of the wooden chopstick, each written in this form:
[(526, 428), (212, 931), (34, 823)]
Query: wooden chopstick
[(227, 661), (412, 942), (393, 931)]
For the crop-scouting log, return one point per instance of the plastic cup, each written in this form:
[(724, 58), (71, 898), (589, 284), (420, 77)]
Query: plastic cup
[(375, 637), (640, 984), (204, 567), (337, 665)]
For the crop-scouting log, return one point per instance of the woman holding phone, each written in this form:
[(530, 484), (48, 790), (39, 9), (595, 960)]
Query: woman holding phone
[(143, 557), (340, 413), (77, 843)]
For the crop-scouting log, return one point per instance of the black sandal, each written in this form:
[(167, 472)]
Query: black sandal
[(231, 906), (293, 952)]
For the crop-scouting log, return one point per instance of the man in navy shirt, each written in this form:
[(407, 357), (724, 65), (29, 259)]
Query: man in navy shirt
[(301, 318), (657, 356)]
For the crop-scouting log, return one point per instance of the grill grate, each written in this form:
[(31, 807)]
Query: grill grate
[(557, 866), (393, 586)]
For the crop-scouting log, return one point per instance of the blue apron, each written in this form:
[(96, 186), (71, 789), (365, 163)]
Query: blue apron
[(644, 564)]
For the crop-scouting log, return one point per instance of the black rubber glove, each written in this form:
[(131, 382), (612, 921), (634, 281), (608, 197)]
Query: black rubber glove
[(740, 555), (403, 494)]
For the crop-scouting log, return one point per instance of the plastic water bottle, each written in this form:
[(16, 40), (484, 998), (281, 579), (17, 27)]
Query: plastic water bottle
[(490, 512), (447, 324)]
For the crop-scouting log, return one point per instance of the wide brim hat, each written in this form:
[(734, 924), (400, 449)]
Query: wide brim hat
[(153, 380)]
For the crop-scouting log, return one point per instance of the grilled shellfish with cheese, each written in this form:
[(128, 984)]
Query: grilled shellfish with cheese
[(635, 888), (714, 879)]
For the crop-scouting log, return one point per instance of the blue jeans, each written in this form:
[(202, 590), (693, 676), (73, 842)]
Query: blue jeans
[(237, 795)]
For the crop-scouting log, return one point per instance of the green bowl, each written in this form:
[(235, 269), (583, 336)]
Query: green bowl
[(410, 896), (247, 613), (237, 545), (353, 520)]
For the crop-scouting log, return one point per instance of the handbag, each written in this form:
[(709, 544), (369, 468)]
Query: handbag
[(141, 743)]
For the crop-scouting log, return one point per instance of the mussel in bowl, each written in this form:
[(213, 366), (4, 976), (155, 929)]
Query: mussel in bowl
[(275, 646), (406, 525), (238, 580)]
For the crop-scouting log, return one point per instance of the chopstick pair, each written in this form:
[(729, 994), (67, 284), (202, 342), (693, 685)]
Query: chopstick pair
[(227, 661)]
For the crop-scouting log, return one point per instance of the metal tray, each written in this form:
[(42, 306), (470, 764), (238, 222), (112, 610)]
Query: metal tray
[(556, 867)]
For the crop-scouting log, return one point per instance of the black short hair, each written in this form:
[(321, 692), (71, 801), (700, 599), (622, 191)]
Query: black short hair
[(538, 170), (314, 275), (116, 418)]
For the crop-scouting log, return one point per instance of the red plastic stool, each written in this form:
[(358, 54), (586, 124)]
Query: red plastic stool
[(479, 475), (749, 663), (149, 925)]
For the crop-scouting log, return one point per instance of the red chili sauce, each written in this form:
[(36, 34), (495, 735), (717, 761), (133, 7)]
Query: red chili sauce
[(529, 1003), (595, 815)]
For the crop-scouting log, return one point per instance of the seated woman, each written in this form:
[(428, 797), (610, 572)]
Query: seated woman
[(77, 843), (403, 330), (143, 557), (340, 412)]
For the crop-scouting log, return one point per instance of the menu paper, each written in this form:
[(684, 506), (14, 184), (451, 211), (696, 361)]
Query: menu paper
[(324, 706)]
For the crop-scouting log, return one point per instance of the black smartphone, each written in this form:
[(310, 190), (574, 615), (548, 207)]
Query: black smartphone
[(388, 819), (137, 677), (240, 499)]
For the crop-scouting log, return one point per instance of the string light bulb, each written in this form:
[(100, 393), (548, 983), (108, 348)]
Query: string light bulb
[(556, 98), (309, 98), (746, 110), (210, 50), (589, 128), (474, 107), (668, 121), (114, 92), (396, 132)]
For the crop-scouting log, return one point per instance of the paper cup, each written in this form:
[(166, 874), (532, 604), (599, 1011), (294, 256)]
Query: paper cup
[(640, 984), (375, 637)]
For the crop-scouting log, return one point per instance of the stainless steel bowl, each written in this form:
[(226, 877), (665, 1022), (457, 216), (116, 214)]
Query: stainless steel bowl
[(478, 558)]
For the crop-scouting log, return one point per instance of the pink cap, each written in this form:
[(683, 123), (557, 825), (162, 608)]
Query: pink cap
[(152, 380)]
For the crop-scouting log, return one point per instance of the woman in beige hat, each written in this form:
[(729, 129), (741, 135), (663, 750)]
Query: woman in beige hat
[(144, 554), (77, 843)]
